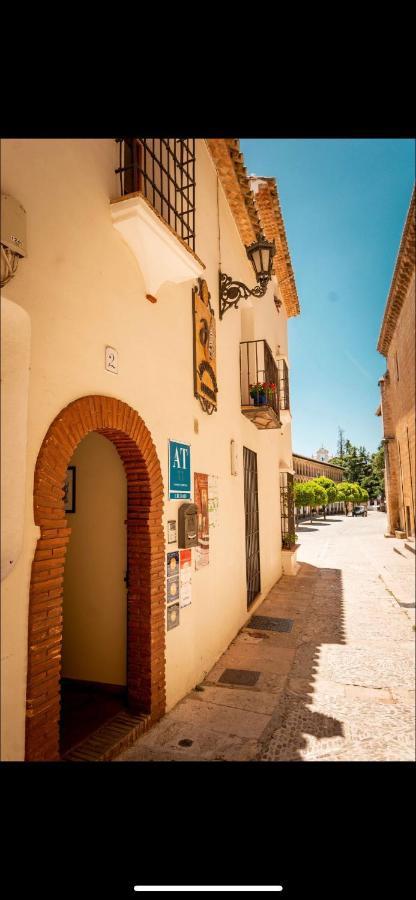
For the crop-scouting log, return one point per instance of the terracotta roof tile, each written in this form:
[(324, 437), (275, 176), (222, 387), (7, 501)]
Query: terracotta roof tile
[(255, 211), (268, 205), (403, 271)]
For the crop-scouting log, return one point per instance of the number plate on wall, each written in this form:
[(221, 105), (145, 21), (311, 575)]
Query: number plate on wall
[(111, 360)]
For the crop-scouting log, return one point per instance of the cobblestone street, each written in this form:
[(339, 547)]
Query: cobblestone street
[(339, 685)]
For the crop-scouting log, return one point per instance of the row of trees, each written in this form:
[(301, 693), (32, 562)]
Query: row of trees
[(320, 492), (361, 467)]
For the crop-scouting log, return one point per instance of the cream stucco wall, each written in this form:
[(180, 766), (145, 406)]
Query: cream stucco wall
[(95, 602), (83, 289), (15, 364)]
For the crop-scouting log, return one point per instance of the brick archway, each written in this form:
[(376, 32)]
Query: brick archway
[(145, 559)]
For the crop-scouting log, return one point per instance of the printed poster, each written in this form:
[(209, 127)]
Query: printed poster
[(213, 500), (185, 577), (201, 501), (172, 576), (172, 616)]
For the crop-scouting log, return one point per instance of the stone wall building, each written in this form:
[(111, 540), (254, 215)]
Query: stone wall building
[(127, 373), (397, 386)]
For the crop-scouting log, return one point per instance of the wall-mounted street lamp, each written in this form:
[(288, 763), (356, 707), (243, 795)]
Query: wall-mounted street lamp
[(260, 254)]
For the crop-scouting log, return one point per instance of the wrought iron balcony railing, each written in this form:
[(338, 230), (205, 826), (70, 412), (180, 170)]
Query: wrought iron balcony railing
[(163, 170), (259, 379), (283, 384)]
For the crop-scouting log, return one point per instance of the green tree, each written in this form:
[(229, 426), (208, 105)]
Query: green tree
[(360, 467), (341, 443), (304, 494), (348, 493), (337, 461), (377, 473), (321, 496), (330, 488)]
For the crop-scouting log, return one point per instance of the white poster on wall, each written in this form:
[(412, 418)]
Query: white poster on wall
[(213, 500), (185, 576)]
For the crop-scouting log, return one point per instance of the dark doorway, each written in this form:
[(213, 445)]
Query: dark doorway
[(94, 647), (408, 521), (251, 504), (85, 707)]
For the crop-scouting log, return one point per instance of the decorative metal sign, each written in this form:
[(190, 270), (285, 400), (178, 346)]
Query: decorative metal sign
[(205, 365)]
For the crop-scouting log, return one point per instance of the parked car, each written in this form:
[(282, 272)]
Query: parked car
[(359, 511)]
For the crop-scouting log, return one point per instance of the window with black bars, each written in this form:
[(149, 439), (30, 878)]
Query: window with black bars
[(163, 170), (283, 384), (251, 505), (287, 510)]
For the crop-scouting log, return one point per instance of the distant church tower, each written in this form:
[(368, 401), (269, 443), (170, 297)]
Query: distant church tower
[(322, 455)]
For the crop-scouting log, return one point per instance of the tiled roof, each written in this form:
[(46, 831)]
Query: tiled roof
[(268, 205), (255, 211), (230, 166), (318, 461), (403, 271)]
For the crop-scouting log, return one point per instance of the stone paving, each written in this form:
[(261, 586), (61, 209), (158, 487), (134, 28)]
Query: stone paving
[(339, 686)]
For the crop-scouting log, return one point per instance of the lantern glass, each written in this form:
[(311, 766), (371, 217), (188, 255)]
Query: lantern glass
[(260, 254), (256, 261)]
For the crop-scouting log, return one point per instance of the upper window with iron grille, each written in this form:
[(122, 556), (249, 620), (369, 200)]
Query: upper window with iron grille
[(163, 170)]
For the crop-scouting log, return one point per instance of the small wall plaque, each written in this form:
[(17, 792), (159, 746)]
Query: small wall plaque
[(172, 532), (111, 360)]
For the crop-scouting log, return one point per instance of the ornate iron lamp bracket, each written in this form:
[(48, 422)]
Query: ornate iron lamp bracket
[(231, 292)]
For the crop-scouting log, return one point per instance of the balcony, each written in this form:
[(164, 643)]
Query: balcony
[(155, 213), (257, 367), (285, 415)]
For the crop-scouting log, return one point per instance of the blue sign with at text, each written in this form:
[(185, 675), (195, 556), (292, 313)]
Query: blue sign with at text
[(179, 471)]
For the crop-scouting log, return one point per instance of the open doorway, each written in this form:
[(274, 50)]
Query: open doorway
[(145, 617), (94, 647)]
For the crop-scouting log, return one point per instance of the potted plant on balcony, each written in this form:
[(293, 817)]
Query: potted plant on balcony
[(258, 393), (262, 392)]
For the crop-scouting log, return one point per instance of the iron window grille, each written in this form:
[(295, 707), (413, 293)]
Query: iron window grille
[(257, 366), (252, 532), (287, 510), (163, 170), (283, 384)]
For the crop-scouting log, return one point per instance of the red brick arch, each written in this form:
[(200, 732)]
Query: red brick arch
[(145, 554)]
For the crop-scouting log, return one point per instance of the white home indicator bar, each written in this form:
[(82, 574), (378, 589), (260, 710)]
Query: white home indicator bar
[(201, 887)]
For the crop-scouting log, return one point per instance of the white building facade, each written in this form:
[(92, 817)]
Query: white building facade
[(103, 391)]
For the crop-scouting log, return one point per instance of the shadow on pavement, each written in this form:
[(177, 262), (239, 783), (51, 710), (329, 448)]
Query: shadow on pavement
[(296, 731)]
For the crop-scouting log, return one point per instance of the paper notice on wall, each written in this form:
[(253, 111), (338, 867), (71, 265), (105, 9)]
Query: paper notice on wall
[(201, 501), (213, 501), (185, 577), (172, 576)]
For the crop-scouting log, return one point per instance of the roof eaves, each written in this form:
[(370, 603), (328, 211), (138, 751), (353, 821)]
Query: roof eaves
[(402, 275)]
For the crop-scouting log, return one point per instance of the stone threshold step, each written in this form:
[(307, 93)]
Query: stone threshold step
[(110, 739)]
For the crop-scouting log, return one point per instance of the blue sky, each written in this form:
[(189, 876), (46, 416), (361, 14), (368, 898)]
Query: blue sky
[(344, 204)]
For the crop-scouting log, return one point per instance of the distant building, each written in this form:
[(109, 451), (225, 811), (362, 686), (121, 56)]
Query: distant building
[(306, 467), (397, 386), (322, 454)]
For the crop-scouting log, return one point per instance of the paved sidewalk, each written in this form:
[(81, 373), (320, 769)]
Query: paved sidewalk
[(338, 686)]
